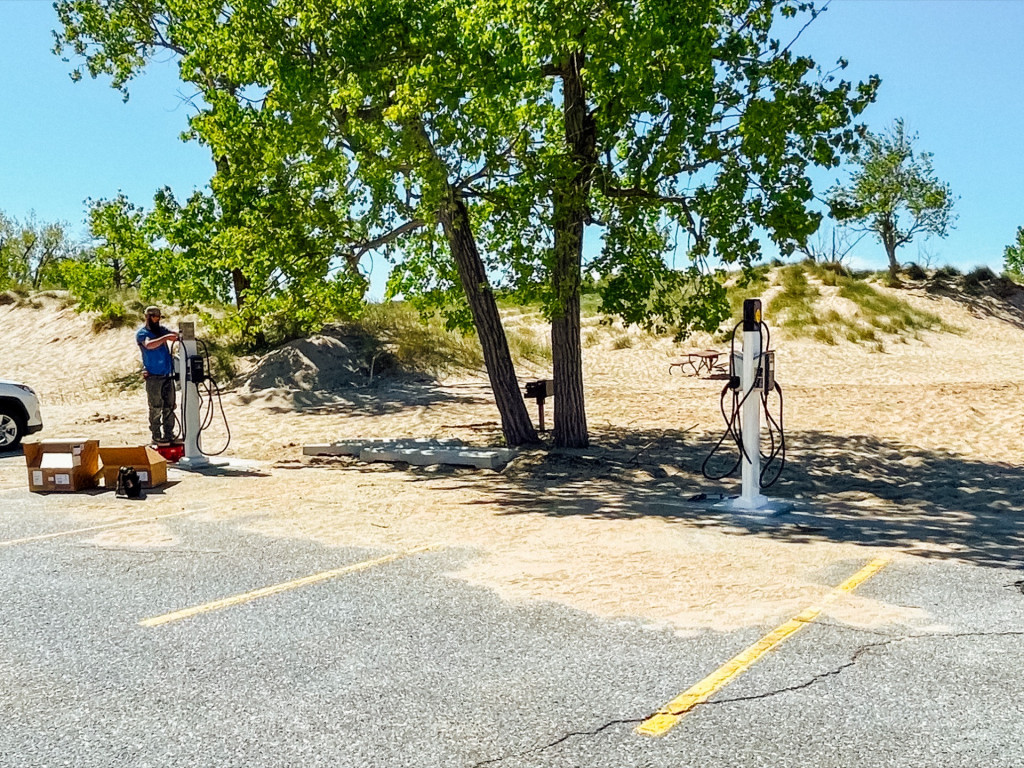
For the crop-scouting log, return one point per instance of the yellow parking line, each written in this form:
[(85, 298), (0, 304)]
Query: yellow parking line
[(665, 718), (75, 531), (245, 597)]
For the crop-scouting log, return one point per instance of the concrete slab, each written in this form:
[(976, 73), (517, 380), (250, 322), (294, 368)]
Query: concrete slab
[(428, 457), (354, 446), (416, 451)]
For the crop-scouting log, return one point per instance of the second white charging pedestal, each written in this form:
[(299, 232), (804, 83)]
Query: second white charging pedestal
[(751, 500)]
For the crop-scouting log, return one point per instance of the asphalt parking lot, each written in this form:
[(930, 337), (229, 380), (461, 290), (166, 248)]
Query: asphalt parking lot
[(141, 656)]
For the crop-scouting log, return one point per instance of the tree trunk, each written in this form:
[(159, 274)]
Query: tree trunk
[(887, 233), (571, 197), (241, 284), (515, 419), (894, 266), (239, 281)]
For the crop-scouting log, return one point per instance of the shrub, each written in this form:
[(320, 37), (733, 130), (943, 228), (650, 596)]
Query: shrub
[(223, 360), (977, 277), (981, 274), (824, 335), (1004, 287), (524, 345), (794, 303), (747, 286), (622, 341), (835, 267), (417, 343), (915, 271), (114, 316)]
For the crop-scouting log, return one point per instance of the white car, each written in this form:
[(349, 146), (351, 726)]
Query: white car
[(19, 413)]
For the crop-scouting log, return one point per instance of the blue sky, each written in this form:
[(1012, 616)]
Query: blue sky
[(951, 68)]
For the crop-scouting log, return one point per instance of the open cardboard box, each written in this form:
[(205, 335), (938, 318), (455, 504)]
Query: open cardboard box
[(69, 464), (151, 466)]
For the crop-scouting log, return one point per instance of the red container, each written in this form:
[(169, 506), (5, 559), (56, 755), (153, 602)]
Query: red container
[(171, 452)]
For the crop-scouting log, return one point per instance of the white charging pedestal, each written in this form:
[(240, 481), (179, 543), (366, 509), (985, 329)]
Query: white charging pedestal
[(751, 497), (193, 457), (751, 500)]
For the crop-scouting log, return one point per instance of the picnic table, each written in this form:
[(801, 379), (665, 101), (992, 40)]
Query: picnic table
[(697, 362)]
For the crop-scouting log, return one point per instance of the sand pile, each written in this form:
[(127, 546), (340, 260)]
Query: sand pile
[(333, 360)]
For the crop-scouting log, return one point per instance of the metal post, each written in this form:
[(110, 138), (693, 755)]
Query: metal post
[(193, 457), (751, 497)]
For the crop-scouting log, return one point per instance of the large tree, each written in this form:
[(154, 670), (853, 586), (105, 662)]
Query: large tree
[(894, 193), (343, 100), (656, 118), (478, 139)]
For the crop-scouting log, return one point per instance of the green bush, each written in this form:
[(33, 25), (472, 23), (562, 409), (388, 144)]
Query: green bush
[(793, 305), (417, 343), (915, 271), (977, 278), (622, 341), (888, 314), (794, 308), (747, 286), (113, 316), (1004, 287)]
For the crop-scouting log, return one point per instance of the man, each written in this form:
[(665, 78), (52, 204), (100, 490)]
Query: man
[(158, 372)]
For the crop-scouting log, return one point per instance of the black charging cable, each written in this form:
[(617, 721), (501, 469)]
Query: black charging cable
[(733, 420), (212, 390), (208, 390)]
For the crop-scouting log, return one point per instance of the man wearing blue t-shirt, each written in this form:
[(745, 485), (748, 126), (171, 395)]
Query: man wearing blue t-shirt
[(158, 372)]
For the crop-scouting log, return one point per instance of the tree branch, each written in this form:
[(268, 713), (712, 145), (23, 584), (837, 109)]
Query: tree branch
[(359, 249)]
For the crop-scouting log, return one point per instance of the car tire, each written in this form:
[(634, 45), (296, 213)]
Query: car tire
[(11, 429)]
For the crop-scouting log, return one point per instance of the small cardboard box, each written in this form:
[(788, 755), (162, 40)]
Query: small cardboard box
[(151, 466), (70, 464)]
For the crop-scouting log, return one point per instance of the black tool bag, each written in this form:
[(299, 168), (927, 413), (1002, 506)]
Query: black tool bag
[(128, 484)]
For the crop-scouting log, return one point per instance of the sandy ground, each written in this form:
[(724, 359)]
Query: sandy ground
[(911, 452)]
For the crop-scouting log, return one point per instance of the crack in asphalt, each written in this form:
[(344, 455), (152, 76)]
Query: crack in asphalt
[(559, 740), (854, 658)]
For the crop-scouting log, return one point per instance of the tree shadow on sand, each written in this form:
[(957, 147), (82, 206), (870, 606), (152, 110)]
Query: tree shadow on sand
[(858, 489), (998, 297)]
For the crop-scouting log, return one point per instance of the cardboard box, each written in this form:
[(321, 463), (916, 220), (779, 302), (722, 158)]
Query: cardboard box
[(151, 466), (70, 464)]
